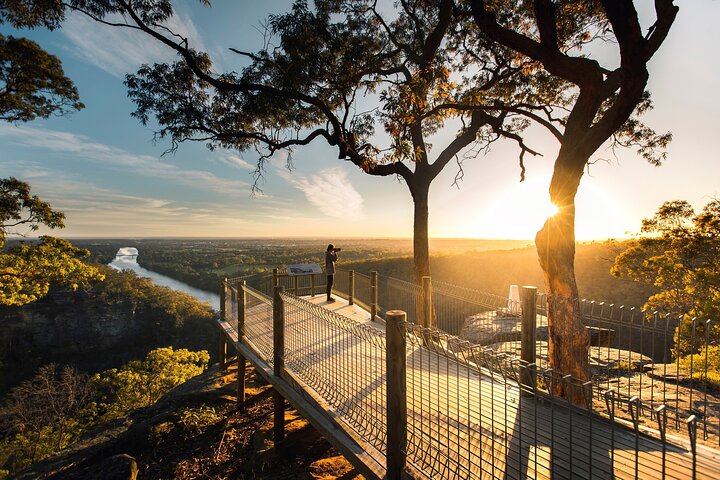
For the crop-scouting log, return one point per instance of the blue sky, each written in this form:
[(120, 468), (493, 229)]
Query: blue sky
[(101, 167)]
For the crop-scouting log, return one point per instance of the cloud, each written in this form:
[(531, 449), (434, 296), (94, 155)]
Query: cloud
[(120, 50), (234, 161), (91, 210), (330, 190), (77, 146)]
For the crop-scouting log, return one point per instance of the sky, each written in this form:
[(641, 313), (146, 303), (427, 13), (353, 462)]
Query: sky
[(103, 169)]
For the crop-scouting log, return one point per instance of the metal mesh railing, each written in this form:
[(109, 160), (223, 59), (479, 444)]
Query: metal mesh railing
[(631, 352), (231, 305), (394, 294), (636, 354), (342, 361), (484, 316), (470, 417), (341, 284), (472, 412), (258, 325), (362, 293)]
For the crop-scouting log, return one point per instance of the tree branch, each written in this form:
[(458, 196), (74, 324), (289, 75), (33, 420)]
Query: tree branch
[(468, 135), (223, 85), (578, 70)]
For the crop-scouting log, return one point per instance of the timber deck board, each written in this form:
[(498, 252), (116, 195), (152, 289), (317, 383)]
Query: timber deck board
[(462, 423)]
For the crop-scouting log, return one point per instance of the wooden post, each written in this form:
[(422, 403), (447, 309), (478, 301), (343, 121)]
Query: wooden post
[(222, 348), (396, 401), (427, 312), (351, 287), (242, 363), (278, 363), (373, 295), (528, 329), (312, 284)]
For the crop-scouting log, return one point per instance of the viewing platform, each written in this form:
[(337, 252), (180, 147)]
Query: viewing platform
[(399, 399)]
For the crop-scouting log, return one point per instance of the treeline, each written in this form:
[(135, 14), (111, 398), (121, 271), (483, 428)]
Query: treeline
[(203, 263), (98, 327)]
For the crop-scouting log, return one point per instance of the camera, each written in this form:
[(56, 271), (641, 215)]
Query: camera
[(336, 249)]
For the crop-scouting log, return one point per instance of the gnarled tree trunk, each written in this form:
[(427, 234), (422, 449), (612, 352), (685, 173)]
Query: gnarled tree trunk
[(555, 242)]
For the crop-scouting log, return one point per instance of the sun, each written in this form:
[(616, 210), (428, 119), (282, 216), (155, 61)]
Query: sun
[(519, 213)]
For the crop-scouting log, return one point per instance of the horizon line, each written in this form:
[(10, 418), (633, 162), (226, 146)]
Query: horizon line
[(296, 237)]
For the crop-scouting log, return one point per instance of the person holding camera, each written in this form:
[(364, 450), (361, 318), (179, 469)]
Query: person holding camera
[(330, 259)]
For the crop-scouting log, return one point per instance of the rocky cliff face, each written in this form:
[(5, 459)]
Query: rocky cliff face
[(94, 331)]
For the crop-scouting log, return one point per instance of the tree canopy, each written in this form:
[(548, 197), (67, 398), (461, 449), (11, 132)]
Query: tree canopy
[(53, 410), (375, 85), (27, 270), (32, 81), (679, 254), (33, 84)]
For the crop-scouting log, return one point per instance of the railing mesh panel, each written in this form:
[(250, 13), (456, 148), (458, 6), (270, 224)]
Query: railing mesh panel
[(342, 361), (394, 294), (259, 323)]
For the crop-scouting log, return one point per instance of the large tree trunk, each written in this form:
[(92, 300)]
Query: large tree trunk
[(421, 248), (555, 243)]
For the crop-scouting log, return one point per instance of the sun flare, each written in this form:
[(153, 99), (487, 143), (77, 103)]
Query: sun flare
[(524, 207), (551, 210)]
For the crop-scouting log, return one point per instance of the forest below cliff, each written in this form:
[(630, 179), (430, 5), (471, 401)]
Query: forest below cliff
[(100, 326)]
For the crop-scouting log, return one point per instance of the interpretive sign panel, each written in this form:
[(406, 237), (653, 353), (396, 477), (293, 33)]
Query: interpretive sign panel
[(304, 269)]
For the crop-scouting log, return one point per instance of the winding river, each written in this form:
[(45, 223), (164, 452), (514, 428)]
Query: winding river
[(126, 259)]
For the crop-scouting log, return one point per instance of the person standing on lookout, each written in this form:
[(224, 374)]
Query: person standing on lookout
[(330, 259)]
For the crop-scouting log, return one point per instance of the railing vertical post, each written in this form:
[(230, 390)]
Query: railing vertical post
[(351, 287), (222, 348), (312, 284), (278, 363), (427, 312), (295, 285), (528, 328), (276, 278), (373, 295), (242, 362), (396, 394)]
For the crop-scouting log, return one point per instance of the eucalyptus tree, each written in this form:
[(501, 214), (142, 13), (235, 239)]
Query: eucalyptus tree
[(600, 104), (364, 81), (679, 255), (33, 84), (32, 81), (28, 270)]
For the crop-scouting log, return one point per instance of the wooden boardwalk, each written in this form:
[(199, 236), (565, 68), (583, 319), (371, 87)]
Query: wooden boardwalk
[(463, 422)]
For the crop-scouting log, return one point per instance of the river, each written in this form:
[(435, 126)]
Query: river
[(126, 259)]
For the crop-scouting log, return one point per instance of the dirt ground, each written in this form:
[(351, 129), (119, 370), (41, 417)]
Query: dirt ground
[(197, 432)]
